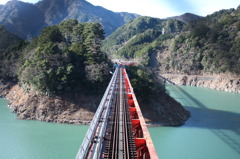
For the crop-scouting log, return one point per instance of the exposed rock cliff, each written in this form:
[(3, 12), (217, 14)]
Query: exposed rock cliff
[(220, 82), (28, 105)]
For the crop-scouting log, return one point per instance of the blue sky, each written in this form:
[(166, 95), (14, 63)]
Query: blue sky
[(161, 8)]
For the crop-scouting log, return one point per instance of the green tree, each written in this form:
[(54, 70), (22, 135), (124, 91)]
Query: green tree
[(50, 34), (93, 34), (57, 64), (200, 31), (67, 27)]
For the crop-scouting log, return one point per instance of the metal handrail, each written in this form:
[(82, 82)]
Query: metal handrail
[(83, 150)]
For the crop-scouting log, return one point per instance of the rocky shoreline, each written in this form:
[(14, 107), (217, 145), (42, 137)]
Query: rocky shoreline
[(220, 82), (29, 106), (80, 110)]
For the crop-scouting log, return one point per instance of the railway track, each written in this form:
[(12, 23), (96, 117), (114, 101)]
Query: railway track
[(118, 129), (120, 143)]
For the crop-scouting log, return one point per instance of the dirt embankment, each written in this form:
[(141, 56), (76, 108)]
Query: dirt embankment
[(164, 111), (27, 105), (221, 82), (80, 109)]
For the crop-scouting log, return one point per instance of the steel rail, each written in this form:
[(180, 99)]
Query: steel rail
[(130, 147), (120, 122), (115, 125), (111, 133), (112, 141), (121, 143), (146, 135), (87, 142)]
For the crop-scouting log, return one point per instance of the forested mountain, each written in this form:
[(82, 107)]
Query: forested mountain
[(21, 18), (10, 45), (187, 17), (7, 40), (64, 57), (27, 19), (139, 38), (60, 76), (210, 44)]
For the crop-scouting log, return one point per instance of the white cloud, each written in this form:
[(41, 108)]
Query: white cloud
[(207, 7), (29, 1), (142, 7), (3, 1), (162, 8)]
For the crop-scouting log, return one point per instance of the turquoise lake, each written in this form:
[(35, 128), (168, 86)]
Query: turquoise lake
[(212, 131)]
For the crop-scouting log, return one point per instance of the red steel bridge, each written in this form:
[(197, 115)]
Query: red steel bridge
[(118, 129)]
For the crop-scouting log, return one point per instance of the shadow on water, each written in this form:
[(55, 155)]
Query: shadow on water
[(223, 124), (194, 100), (213, 119)]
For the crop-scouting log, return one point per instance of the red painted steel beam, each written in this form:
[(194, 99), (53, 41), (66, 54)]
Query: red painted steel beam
[(143, 141)]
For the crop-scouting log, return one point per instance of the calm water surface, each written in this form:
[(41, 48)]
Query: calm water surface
[(21, 139), (212, 132)]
